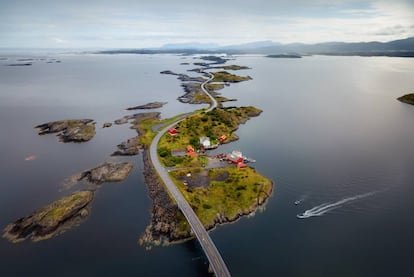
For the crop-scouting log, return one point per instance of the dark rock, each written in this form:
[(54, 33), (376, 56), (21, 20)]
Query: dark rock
[(163, 227), (130, 147), (152, 105), (107, 125), (20, 64), (284, 56), (107, 172), (79, 130), (408, 98), (183, 77), (136, 118)]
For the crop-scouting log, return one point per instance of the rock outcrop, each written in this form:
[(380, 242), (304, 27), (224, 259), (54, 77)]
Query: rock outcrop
[(165, 222), (73, 130), (130, 147), (107, 172), (408, 98), (52, 219), (148, 106)]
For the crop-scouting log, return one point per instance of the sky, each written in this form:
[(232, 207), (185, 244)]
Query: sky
[(153, 23)]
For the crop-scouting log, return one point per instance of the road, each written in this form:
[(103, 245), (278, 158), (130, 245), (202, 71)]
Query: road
[(216, 261)]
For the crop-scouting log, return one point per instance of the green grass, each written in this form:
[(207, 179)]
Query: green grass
[(223, 76), (213, 87), (233, 67), (212, 124), (241, 191)]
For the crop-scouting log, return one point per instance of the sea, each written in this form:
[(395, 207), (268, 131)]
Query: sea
[(332, 137)]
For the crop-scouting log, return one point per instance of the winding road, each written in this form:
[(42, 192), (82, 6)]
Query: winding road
[(216, 261)]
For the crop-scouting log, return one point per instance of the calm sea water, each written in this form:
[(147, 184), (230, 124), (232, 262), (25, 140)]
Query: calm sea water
[(331, 133)]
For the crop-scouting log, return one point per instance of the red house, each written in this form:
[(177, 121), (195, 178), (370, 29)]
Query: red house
[(191, 152), (173, 131), (235, 157)]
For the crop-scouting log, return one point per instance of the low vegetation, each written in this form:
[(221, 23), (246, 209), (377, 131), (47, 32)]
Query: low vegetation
[(233, 67), (218, 122), (223, 200), (224, 76)]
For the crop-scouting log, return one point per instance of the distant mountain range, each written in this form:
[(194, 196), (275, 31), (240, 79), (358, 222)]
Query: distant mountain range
[(399, 48)]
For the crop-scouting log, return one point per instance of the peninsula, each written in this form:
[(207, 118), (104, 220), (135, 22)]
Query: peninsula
[(218, 190)]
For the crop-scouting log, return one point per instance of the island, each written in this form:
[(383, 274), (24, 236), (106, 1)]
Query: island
[(148, 106), (192, 85), (51, 220), (20, 64), (71, 130), (282, 56), (107, 172), (408, 98)]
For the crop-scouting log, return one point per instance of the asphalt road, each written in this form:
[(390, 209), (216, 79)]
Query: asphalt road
[(216, 261)]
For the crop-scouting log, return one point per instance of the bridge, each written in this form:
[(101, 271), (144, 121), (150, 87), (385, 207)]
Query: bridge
[(216, 261)]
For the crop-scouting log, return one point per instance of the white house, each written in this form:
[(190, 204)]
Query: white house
[(205, 141)]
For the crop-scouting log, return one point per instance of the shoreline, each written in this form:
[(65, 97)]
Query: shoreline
[(156, 191)]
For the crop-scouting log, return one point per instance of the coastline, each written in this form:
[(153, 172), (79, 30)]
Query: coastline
[(162, 229)]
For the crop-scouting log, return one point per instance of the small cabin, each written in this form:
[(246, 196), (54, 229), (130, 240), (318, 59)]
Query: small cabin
[(222, 138), (205, 142), (173, 131), (190, 151), (235, 157)]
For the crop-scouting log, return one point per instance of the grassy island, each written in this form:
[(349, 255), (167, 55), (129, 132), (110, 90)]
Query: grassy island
[(233, 67), (224, 76), (408, 98), (52, 219), (226, 193)]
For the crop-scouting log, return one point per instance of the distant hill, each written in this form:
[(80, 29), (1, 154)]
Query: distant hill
[(398, 48), (190, 45)]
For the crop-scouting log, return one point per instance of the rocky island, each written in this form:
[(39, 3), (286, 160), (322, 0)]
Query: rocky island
[(408, 98), (148, 106), (107, 172), (72, 130), (52, 219), (285, 56)]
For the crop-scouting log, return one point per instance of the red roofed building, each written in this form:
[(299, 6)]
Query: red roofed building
[(173, 131), (235, 157), (191, 152)]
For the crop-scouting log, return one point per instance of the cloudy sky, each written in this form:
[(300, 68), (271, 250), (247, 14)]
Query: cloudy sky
[(152, 23)]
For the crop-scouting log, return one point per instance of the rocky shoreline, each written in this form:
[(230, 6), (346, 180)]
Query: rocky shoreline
[(106, 172), (260, 204), (162, 229), (52, 219), (148, 106), (71, 130)]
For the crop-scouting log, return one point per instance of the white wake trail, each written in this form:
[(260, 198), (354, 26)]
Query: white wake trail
[(326, 207)]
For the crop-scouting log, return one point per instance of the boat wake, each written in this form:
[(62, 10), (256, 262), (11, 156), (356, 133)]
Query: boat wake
[(326, 207)]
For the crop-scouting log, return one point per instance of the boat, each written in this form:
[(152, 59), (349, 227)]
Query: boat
[(297, 202), (248, 160)]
